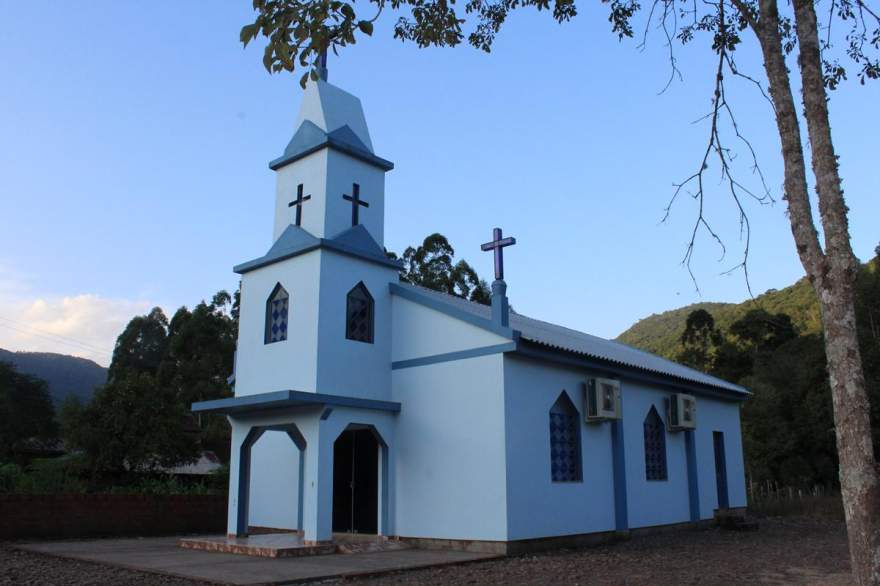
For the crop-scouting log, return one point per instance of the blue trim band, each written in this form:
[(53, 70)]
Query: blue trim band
[(322, 243), (690, 445), (287, 399), (458, 355), (431, 303), (336, 145), (618, 454)]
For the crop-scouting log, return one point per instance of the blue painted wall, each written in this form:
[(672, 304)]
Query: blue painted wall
[(653, 502), (347, 367), (536, 506), (724, 417)]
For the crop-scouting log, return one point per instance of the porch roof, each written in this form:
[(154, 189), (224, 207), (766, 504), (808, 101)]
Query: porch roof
[(285, 399)]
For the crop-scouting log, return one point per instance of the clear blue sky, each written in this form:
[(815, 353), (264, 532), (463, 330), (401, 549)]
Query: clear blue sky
[(134, 141)]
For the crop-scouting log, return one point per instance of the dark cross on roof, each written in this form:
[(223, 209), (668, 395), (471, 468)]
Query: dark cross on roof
[(498, 243), (298, 202), (356, 202)]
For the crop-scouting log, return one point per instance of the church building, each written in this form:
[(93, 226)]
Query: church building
[(367, 405)]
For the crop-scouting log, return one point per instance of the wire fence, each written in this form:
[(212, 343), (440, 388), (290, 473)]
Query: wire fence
[(774, 500)]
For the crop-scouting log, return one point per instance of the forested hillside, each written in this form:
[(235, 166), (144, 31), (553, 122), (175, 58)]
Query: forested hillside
[(773, 346), (661, 333), (66, 375)]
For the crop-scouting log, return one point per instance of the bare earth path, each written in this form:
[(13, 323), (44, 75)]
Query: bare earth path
[(783, 551)]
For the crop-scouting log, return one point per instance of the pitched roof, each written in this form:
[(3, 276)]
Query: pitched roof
[(330, 117), (556, 337), (355, 241), (309, 139)]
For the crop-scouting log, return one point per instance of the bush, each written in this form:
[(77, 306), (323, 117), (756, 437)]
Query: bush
[(165, 485), (46, 476), (10, 476)]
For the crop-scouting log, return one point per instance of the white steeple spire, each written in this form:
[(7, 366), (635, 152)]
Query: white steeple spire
[(329, 178)]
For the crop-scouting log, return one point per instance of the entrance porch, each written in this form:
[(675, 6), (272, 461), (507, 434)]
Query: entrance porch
[(333, 472)]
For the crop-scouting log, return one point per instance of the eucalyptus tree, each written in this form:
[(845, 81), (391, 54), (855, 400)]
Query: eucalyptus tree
[(846, 42), (432, 265)]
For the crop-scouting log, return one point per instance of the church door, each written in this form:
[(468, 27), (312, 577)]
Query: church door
[(356, 482), (720, 469)]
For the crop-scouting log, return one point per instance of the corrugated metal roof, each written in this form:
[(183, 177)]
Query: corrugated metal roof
[(562, 338)]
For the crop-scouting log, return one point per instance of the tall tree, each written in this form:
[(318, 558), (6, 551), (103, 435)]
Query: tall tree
[(131, 424), (141, 346), (26, 409), (199, 360), (700, 341), (300, 30), (432, 265)]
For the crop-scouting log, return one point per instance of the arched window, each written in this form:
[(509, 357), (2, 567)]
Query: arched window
[(655, 446), (277, 308), (565, 441), (359, 314)]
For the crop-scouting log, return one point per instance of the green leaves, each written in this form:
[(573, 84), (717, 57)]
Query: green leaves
[(248, 33), (431, 265), (366, 27)]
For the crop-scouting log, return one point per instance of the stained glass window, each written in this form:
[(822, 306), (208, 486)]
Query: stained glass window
[(655, 446), (277, 308), (565, 441), (359, 315)]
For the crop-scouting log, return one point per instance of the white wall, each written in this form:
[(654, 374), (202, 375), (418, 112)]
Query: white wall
[(274, 486), (292, 363), (538, 507), (418, 331), (450, 479), (311, 171)]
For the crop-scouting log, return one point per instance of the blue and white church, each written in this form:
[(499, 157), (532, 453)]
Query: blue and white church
[(367, 405)]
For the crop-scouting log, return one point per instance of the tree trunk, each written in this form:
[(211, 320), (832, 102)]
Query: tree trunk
[(859, 480), (832, 272)]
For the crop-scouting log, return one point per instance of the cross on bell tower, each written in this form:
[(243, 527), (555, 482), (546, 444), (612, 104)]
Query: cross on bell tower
[(356, 202), (298, 202), (330, 158)]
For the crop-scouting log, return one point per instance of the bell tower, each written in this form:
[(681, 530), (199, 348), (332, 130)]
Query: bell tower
[(320, 298), (328, 178)]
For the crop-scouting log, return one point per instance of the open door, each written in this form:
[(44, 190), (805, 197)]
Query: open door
[(356, 482)]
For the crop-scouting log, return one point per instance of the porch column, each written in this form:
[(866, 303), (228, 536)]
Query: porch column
[(239, 478), (318, 485)]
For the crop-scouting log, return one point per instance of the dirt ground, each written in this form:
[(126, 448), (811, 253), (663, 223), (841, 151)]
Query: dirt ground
[(782, 551)]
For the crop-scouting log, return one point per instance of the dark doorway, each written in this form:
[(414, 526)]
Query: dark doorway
[(356, 482), (720, 469)]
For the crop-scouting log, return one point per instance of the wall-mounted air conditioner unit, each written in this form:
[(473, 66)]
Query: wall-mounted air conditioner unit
[(602, 399), (682, 412)]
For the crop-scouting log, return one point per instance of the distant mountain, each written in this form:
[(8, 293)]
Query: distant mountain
[(660, 333), (66, 375)]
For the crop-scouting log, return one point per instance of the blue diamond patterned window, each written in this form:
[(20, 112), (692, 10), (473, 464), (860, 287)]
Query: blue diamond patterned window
[(655, 446), (277, 309), (565, 441), (359, 315)]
